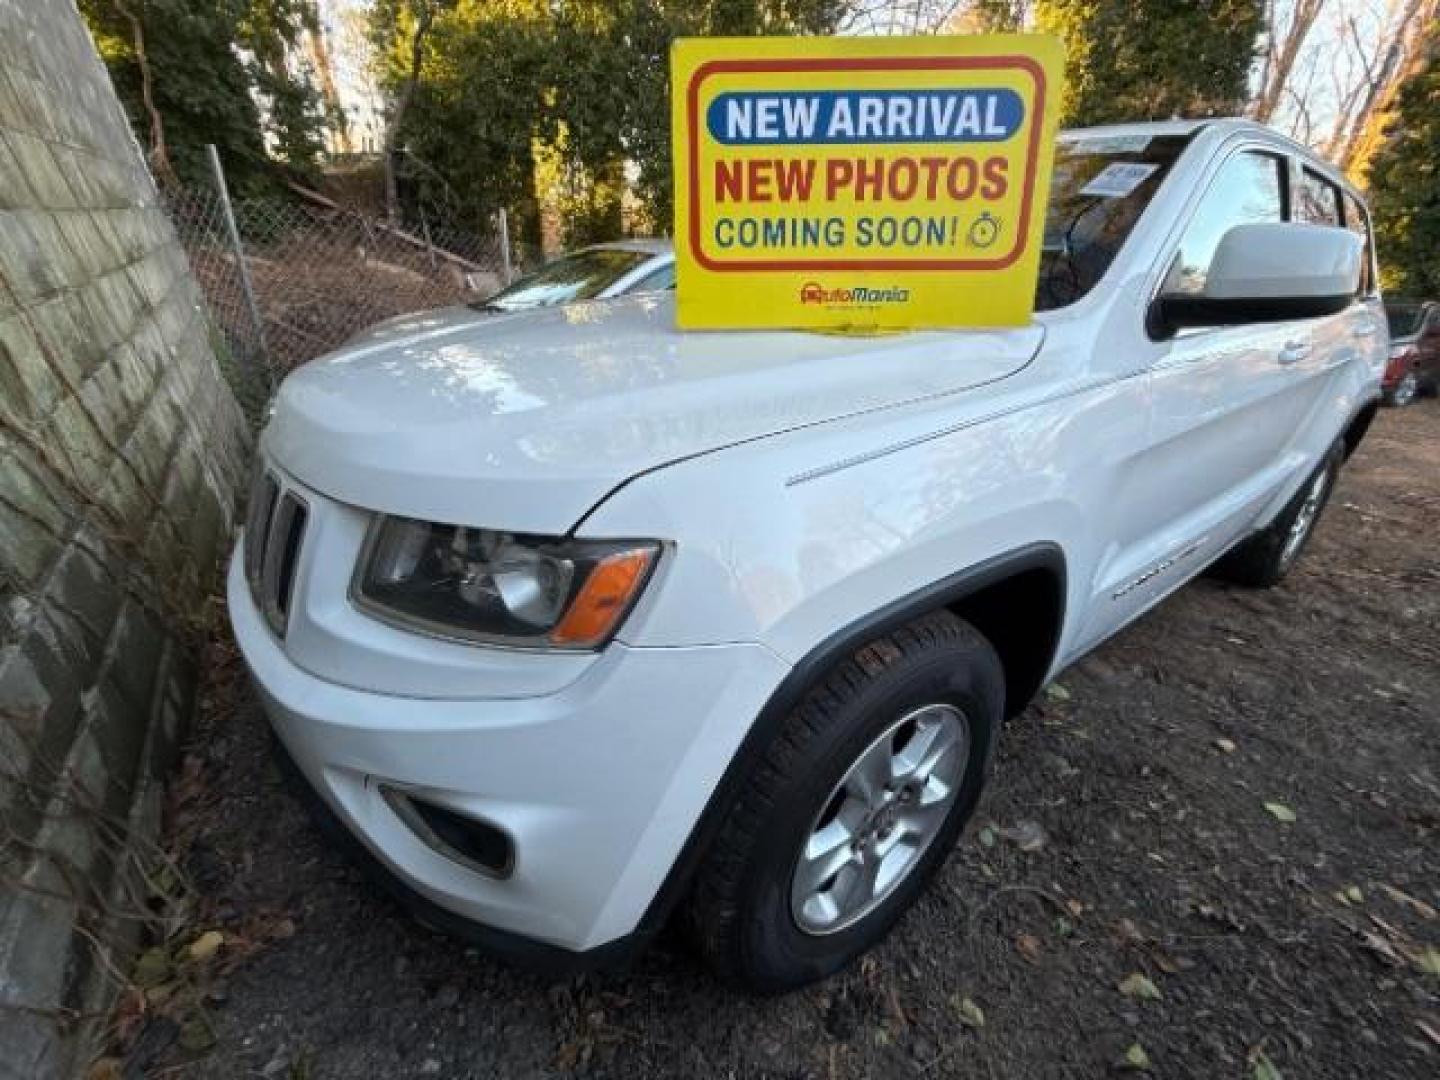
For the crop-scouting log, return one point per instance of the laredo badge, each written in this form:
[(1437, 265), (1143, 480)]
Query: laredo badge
[(861, 184)]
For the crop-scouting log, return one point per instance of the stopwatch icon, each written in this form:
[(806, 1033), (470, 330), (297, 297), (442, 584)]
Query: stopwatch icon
[(984, 230)]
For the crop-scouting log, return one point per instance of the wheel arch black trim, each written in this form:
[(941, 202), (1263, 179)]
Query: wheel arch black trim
[(946, 593)]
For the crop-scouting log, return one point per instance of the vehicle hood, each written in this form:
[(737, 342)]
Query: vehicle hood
[(524, 421)]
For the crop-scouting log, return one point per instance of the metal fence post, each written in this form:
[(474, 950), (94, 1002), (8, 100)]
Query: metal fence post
[(234, 231), (504, 222)]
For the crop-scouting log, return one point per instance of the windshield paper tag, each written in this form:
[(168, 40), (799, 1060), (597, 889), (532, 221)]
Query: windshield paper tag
[(1118, 179), (884, 183)]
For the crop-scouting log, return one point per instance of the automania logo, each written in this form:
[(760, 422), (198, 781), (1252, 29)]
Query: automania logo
[(812, 292)]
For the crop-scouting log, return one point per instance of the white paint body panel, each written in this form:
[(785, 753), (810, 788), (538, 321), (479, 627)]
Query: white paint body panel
[(799, 482)]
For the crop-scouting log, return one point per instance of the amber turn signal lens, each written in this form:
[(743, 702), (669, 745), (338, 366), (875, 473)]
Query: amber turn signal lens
[(604, 598)]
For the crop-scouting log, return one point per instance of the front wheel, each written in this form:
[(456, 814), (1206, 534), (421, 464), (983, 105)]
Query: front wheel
[(857, 801), (1265, 558)]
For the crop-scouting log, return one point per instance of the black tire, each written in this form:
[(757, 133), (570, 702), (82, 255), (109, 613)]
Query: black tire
[(1265, 558), (739, 912), (1405, 391)]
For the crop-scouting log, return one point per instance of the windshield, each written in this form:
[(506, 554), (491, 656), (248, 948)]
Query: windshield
[(1404, 319), (580, 276), (1101, 185)]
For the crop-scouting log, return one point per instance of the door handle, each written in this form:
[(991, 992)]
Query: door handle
[(1292, 352)]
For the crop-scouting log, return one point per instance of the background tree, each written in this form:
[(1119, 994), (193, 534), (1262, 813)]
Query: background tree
[(1404, 180), (274, 32), (180, 72), (1364, 111), (467, 83), (182, 83), (1152, 59)]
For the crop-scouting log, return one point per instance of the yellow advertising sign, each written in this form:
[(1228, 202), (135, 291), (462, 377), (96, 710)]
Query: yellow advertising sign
[(861, 184)]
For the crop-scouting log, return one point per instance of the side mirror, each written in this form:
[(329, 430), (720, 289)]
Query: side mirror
[(1268, 272)]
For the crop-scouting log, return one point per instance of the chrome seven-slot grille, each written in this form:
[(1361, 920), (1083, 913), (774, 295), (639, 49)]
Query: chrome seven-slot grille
[(273, 533)]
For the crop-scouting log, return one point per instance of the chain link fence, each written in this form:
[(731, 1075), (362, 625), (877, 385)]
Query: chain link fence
[(319, 273)]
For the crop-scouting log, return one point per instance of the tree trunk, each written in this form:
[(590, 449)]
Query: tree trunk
[(423, 20), (158, 156), (1280, 57)]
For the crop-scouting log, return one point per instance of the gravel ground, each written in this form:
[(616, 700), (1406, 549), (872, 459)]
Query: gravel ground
[(1126, 832)]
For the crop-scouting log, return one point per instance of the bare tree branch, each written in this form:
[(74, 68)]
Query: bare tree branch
[(1358, 123), (1280, 54)]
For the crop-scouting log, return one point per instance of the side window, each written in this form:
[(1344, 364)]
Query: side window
[(658, 281), (1359, 224), (1248, 188), (1318, 200)]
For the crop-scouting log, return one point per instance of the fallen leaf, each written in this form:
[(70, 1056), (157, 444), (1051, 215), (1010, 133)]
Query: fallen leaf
[(1424, 910), (1139, 986), (1353, 894), (195, 1035), (106, 1068), (1056, 692), (206, 945), (1075, 907), (1028, 836), (987, 836), (152, 969), (129, 1014), (1028, 946), (1128, 931), (971, 1015), (1135, 1058), (1225, 746), (1429, 961), (1280, 812), (1264, 1068), (1378, 944)]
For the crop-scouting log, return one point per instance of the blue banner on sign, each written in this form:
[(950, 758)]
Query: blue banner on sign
[(764, 118)]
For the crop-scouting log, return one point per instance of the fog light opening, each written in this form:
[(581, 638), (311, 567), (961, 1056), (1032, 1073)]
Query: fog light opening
[(469, 841)]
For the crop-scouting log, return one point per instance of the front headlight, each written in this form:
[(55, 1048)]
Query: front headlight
[(506, 588)]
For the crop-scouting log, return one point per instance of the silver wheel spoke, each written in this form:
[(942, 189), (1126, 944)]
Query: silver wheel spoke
[(870, 775), (932, 741), (924, 813), (862, 886), (827, 853)]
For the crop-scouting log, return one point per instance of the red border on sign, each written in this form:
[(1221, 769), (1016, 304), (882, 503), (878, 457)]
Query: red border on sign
[(866, 63)]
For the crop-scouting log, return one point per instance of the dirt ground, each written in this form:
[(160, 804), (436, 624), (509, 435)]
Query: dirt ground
[(1133, 826)]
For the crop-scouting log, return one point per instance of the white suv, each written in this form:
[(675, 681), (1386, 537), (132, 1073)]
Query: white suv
[(576, 620)]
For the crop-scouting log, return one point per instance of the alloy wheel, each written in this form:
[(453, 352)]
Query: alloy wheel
[(879, 819)]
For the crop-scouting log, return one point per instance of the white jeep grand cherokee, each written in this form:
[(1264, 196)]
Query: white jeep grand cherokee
[(575, 620)]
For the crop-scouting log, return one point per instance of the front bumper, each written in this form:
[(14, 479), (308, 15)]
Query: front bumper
[(598, 784)]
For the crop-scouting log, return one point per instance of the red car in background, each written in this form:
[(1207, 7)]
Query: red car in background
[(1414, 367)]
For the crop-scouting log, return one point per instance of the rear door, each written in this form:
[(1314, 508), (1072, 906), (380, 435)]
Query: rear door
[(1330, 345)]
